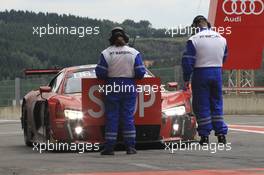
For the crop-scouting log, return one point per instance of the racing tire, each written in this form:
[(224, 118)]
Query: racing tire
[(27, 138), (46, 124)]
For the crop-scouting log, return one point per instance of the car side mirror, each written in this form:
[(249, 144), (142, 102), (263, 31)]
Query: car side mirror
[(44, 89), (173, 85)]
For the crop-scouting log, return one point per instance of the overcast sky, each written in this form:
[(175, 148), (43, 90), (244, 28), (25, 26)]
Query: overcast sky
[(161, 13)]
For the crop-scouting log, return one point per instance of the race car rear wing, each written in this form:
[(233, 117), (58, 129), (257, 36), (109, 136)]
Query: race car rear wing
[(41, 71)]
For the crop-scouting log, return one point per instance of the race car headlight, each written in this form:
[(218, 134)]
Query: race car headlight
[(73, 115), (78, 130), (175, 126), (179, 110)]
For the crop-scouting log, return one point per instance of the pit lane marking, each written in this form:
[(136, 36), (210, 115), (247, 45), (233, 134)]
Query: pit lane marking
[(11, 133), (143, 165), (256, 171), (249, 123), (247, 128), (9, 121)]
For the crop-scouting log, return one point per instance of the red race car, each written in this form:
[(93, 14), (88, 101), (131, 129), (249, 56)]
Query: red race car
[(70, 109)]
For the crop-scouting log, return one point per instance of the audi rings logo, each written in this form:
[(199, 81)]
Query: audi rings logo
[(243, 7)]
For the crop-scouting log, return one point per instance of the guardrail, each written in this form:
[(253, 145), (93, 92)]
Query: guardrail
[(254, 89), (243, 90)]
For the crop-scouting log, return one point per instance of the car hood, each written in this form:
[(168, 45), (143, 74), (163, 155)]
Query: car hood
[(172, 99), (71, 101)]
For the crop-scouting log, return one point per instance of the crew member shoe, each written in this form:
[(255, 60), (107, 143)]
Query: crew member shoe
[(131, 150), (107, 152), (204, 140), (221, 139)]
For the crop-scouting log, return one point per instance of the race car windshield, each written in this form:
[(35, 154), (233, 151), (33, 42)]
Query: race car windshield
[(74, 83)]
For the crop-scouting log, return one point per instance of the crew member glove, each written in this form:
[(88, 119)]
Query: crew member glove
[(186, 85)]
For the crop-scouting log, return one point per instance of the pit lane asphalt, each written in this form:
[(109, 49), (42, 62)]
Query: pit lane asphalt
[(247, 153)]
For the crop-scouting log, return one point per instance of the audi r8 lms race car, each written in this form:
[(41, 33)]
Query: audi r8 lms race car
[(70, 109)]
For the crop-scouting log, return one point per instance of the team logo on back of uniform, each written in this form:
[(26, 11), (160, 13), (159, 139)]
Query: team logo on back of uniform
[(243, 7)]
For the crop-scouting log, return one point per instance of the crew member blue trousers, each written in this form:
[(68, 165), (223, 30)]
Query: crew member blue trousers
[(119, 108), (208, 100)]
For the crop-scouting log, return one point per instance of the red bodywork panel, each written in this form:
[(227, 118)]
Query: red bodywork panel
[(171, 99), (93, 106), (148, 109), (246, 42)]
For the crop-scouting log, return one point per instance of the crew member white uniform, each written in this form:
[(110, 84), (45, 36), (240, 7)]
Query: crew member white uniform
[(203, 59), (120, 66)]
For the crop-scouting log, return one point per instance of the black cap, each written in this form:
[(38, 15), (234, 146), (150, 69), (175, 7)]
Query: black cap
[(115, 33), (198, 19)]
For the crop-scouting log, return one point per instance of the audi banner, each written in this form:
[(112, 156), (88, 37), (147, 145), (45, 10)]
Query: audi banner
[(245, 19)]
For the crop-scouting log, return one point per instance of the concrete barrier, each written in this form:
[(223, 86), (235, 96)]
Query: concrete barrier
[(233, 105), (244, 104), (13, 113)]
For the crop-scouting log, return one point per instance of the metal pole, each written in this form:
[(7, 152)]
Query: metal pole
[(253, 78), (175, 73), (17, 91), (238, 80)]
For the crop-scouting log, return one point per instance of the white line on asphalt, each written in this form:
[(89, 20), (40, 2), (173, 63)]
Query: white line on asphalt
[(246, 130), (9, 121), (143, 165), (235, 132), (248, 123), (246, 126), (11, 133)]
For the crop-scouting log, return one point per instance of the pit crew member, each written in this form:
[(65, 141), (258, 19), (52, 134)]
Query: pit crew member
[(206, 51), (120, 64)]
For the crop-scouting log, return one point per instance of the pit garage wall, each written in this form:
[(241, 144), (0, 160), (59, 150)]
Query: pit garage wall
[(244, 104), (10, 113), (233, 104)]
